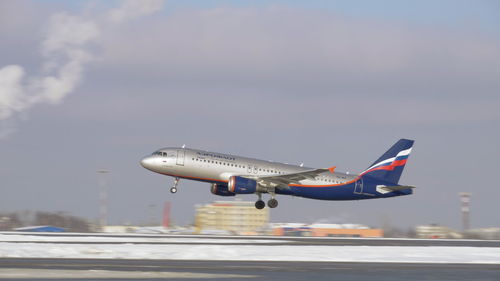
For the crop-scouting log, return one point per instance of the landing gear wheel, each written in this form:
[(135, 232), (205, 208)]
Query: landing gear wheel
[(174, 188), (272, 203), (260, 204)]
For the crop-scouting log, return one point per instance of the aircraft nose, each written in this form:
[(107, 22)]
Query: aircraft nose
[(147, 162)]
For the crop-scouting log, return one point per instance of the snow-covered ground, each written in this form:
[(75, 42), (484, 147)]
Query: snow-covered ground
[(126, 239), (29, 246), (254, 252)]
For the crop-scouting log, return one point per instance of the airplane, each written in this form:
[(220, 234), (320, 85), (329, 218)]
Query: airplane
[(230, 175)]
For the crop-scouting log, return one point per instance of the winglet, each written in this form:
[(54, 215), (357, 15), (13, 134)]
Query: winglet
[(332, 169)]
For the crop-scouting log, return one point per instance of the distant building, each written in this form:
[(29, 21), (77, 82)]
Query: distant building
[(118, 229), (491, 233), (41, 228), (325, 230), (436, 232), (239, 217)]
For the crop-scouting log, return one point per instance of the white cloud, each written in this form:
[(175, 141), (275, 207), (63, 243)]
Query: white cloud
[(12, 98), (303, 51), (132, 9), (66, 52)]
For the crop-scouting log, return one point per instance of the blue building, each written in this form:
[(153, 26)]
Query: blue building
[(41, 228)]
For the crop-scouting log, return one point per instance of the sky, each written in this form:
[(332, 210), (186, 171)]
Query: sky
[(90, 85)]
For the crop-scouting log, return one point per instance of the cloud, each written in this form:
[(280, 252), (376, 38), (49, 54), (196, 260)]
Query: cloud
[(270, 52), (304, 51), (65, 55), (66, 51), (133, 9), (12, 96)]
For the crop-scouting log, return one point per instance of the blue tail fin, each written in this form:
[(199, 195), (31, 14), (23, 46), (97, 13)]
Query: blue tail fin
[(389, 166)]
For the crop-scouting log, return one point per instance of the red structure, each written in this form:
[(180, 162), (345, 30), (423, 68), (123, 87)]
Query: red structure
[(166, 215)]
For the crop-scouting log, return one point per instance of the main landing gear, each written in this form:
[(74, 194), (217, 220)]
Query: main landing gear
[(272, 203), (174, 188), (260, 204)]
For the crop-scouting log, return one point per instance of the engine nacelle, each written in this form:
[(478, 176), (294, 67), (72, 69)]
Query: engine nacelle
[(220, 189), (240, 185)]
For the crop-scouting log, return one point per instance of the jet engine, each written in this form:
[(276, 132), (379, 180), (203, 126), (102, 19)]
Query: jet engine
[(220, 189), (241, 185)]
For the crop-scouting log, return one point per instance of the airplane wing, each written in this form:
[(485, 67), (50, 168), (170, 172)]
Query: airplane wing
[(292, 178)]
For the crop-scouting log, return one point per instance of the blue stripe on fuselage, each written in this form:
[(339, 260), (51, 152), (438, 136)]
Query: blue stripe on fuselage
[(327, 192)]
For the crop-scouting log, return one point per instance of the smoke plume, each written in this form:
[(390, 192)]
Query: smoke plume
[(66, 51)]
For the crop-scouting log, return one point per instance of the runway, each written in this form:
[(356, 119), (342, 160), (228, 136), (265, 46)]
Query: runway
[(109, 269), (91, 256)]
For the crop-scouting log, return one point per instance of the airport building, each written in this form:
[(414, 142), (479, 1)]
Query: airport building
[(228, 217), (41, 228), (325, 230), (490, 233), (434, 231)]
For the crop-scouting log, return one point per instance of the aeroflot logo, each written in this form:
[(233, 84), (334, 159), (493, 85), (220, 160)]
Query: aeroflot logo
[(216, 155)]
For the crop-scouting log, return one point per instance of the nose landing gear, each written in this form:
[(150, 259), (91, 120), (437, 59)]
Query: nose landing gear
[(174, 188)]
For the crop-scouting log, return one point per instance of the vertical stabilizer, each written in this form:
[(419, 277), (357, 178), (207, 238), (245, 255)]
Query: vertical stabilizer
[(389, 166)]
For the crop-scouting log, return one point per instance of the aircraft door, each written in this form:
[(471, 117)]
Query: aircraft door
[(180, 157), (169, 159), (249, 168), (358, 186), (255, 169)]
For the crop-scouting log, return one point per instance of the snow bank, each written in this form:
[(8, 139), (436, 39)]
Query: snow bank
[(127, 239), (13, 245), (268, 252)]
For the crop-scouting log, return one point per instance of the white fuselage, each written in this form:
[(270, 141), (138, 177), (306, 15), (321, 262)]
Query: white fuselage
[(217, 167)]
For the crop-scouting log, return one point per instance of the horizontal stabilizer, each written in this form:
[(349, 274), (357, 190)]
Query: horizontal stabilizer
[(386, 189)]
